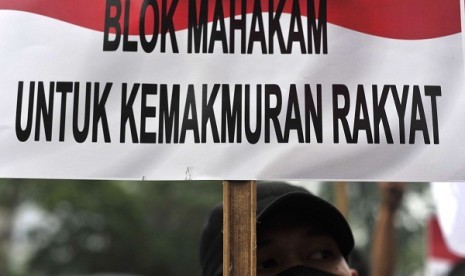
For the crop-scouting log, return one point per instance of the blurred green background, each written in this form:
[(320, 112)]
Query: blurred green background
[(68, 227)]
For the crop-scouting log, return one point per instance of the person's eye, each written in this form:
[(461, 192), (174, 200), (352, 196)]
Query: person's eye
[(267, 264), (322, 255)]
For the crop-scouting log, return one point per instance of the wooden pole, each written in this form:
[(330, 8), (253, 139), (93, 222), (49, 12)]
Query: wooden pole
[(341, 200), (239, 228)]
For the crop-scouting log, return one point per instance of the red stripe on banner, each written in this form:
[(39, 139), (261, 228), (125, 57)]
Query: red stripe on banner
[(399, 19), (85, 13)]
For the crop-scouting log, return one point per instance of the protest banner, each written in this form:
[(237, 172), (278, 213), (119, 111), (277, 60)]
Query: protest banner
[(224, 89), (439, 258)]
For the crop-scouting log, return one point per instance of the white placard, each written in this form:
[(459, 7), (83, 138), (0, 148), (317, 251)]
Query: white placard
[(306, 90)]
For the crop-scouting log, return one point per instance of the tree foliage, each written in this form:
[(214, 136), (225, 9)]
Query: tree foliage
[(143, 228), (153, 228), (364, 198)]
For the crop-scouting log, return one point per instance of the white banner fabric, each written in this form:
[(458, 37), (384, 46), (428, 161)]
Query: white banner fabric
[(332, 102)]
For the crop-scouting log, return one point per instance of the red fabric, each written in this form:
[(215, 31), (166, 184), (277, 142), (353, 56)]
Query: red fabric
[(437, 247), (399, 19)]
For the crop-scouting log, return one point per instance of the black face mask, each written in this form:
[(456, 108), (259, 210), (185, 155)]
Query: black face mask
[(304, 271)]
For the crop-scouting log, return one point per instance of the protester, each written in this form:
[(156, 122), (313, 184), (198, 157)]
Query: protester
[(458, 269), (384, 250), (298, 233)]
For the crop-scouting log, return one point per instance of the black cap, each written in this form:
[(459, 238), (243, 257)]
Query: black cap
[(271, 198)]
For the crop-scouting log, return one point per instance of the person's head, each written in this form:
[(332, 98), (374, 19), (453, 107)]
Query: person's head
[(458, 269), (298, 233)]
